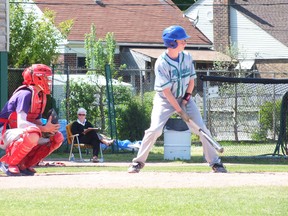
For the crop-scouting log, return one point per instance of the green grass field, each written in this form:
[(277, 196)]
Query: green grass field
[(240, 153), (252, 200), (197, 201)]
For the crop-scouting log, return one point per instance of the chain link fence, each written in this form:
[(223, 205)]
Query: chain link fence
[(244, 117), (248, 114)]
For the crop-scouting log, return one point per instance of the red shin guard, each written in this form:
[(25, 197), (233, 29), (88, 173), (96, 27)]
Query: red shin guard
[(39, 152), (18, 149)]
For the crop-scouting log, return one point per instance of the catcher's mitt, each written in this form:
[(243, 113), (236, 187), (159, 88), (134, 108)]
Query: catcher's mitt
[(54, 115), (54, 120)]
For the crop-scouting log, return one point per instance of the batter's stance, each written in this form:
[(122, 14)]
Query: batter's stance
[(174, 83), (20, 125)]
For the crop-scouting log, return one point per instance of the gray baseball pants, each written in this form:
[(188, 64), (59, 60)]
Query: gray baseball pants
[(161, 112)]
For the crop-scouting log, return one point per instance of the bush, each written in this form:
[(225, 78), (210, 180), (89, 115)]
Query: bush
[(83, 95), (134, 117), (268, 111)]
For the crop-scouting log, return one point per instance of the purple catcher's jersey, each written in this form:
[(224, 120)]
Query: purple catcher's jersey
[(20, 101)]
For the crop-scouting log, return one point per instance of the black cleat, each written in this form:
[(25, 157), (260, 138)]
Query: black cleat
[(4, 168), (135, 167), (219, 168)]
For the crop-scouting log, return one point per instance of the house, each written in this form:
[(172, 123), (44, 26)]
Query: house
[(135, 24), (258, 29)]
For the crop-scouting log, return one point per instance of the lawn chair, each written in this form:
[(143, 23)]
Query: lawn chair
[(73, 140)]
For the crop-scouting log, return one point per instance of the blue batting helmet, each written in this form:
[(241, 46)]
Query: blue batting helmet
[(173, 33)]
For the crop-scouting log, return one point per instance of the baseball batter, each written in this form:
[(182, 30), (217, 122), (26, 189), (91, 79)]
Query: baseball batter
[(174, 83)]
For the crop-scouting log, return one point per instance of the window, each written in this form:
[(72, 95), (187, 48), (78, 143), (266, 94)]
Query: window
[(147, 72), (81, 64)]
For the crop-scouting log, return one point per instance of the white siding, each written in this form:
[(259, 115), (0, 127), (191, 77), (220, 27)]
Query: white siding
[(204, 9), (252, 41)]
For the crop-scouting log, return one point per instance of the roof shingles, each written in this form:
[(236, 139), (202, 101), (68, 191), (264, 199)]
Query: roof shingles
[(132, 21)]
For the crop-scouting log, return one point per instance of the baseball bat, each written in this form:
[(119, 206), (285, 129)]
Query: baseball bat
[(212, 142)]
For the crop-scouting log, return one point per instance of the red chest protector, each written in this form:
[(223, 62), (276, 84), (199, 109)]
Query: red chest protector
[(38, 103)]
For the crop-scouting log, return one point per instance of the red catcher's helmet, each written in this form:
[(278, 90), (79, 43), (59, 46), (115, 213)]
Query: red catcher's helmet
[(40, 75)]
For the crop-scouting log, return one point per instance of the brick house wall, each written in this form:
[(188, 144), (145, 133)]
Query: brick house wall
[(221, 24), (70, 60)]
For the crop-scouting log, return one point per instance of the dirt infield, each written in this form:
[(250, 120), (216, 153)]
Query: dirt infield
[(117, 179)]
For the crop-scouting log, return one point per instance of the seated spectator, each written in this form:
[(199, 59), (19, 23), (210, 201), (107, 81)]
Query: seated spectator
[(87, 136)]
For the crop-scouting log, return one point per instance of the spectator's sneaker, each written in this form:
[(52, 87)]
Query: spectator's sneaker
[(135, 167), (219, 168), (95, 159)]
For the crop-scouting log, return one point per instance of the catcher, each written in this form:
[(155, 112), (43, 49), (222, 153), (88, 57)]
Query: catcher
[(20, 125)]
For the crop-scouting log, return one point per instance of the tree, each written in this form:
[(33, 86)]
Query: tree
[(98, 54), (233, 52), (33, 39), (91, 94)]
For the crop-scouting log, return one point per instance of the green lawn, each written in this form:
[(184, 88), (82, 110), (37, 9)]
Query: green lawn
[(257, 200), (240, 153), (197, 201)]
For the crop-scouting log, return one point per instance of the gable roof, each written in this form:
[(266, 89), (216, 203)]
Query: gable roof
[(132, 21), (197, 55), (271, 16)]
